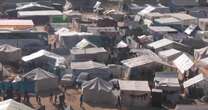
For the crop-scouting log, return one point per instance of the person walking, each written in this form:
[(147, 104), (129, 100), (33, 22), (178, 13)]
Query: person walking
[(81, 100), (38, 99)]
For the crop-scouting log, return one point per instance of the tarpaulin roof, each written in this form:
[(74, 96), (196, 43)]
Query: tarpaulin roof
[(194, 80), (160, 43), (59, 59), (84, 43), (38, 74), (87, 65), (134, 86), (10, 104), (183, 63)]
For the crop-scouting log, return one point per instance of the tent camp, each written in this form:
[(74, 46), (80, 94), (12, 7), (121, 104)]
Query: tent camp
[(134, 93), (94, 69), (98, 91), (44, 59), (167, 81), (44, 81), (10, 53), (97, 54), (10, 104)]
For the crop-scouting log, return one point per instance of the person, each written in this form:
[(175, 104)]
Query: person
[(26, 97), (38, 100), (81, 100), (51, 97), (118, 104), (62, 101), (55, 99)]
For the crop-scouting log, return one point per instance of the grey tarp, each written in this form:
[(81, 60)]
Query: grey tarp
[(10, 53), (94, 68), (44, 81), (98, 91)]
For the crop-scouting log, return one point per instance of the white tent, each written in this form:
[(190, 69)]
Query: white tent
[(10, 104), (94, 69), (98, 91), (59, 60), (183, 63), (44, 81)]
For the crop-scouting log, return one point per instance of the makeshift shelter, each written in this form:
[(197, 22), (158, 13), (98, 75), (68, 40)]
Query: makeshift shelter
[(44, 81), (201, 53), (167, 81), (197, 86), (191, 107), (138, 67), (40, 16), (183, 63), (134, 93), (45, 59), (10, 54), (162, 44), (11, 104), (28, 41), (96, 54), (98, 91), (169, 55), (159, 31), (203, 24), (185, 18), (70, 39), (94, 68), (117, 70), (16, 24), (84, 43), (67, 80)]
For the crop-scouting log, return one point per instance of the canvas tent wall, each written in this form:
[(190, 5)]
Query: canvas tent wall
[(44, 81), (96, 54), (10, 53), (98, 91), (11, 104), (94, 69), (134, 93)]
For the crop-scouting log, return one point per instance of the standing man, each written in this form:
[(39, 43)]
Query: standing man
[(81, 100)]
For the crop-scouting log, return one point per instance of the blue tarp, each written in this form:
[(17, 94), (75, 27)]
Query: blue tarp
[(20, 86)]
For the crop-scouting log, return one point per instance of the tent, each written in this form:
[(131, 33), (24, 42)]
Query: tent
[(45, 58), (44, 81), (169, 55), (84, 43), (134, 93), (10, 53), (10, 104), (67, 80), (94, 69), (97, 54), (167, 81), (191, 107), (98, 91)]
